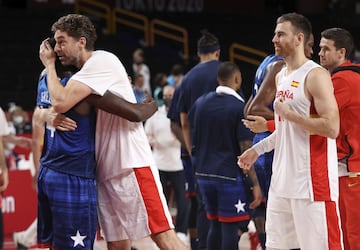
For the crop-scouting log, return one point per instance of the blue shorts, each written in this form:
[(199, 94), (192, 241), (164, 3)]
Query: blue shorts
[(263, 169), (224, 201), (67, 210)]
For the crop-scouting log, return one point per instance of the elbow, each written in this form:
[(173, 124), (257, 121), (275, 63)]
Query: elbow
[(334, 132), (334, 128), (59, 107)]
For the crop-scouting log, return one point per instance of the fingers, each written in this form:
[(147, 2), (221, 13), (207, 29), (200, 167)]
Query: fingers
[(255, 203), (242, 164), (252, 117), (64, 123), (256, 124)]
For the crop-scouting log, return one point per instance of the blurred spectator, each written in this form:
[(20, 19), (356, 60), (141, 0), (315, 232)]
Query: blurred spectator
[(19, 119), (176, 75), (10, 140), (138, 84), (139, 67), (160, 82)]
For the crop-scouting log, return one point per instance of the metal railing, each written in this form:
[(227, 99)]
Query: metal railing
[(157, 27), (133, 20), (172, 32), (97, 9), (247, 54)]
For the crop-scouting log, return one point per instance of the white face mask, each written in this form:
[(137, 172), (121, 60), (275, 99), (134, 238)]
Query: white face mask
[(18, 119)]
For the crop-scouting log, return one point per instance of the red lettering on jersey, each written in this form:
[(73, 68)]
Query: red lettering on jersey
[(286, 94)]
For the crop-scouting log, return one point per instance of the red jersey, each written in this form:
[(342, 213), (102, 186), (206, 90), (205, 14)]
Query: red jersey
[(347, 93)]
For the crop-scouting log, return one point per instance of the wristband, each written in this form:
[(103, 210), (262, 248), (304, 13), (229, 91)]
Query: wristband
[(270, 125)]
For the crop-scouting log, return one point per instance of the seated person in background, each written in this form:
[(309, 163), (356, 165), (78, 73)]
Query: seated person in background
[(19, 119)]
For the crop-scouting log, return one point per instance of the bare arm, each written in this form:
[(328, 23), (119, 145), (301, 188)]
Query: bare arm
[(253, 177), (185, 126), (38, 130), (259, 124), (116, 105), (259, 105), (62, 98), (319, 89), (50, 117), (177, 131), (17, 140)]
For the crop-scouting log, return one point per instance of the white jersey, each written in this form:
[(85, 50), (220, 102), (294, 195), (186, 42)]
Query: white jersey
[(304, 165), (120, 144), (166, 147)]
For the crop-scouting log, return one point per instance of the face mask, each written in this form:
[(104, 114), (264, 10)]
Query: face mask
[(167, 101), (18, 119)]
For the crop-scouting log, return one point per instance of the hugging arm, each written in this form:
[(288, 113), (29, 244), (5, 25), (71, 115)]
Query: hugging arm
[(134, 112)]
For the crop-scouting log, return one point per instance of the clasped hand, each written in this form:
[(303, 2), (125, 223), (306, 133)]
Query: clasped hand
[(281, 107), (46, 53)]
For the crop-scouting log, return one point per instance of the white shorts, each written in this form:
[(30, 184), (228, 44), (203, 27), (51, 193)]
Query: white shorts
[(132, 205), (302, 223)]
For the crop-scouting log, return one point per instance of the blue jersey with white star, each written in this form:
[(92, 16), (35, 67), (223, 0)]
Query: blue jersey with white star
[(71, 152)]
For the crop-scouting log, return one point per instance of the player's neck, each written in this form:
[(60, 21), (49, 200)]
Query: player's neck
[(295, 62)]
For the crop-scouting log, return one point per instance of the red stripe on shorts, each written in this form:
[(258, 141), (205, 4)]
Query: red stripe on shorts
[(334, 238), (158, 221)]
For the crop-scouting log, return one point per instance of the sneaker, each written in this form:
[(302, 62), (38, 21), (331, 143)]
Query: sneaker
[(18, 244), (183, 237)]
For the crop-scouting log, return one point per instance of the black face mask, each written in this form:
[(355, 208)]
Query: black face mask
[(167, 101)]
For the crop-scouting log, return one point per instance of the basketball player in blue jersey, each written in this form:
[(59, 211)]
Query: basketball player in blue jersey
[(219, 135), (67, 210), (67, 216), (259, 108)]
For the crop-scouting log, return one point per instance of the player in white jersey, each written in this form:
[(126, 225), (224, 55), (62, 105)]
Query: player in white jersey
[(131, 201), (302, 207)]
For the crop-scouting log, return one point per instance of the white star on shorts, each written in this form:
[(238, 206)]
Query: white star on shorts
[(78, 239), (240, 206)]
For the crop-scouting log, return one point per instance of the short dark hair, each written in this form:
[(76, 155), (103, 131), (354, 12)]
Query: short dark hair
[(77, 26), (177, 69), (207, 43), (299, 22), (226, 70), (342, 39)]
